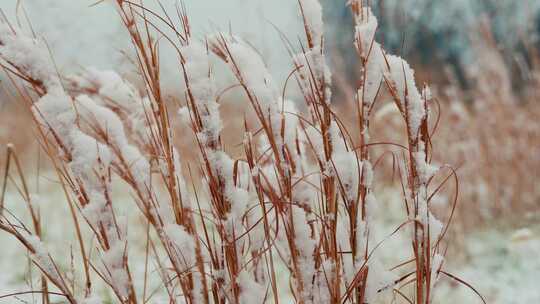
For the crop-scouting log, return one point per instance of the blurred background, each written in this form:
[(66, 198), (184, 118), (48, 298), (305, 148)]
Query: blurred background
[(481, 59)]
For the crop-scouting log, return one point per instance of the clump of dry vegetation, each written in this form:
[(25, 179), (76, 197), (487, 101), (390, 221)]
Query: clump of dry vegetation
[(299, 200), (489, 133)]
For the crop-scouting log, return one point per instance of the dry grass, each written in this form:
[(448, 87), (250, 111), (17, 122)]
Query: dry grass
[(489, 133), (296, 194)]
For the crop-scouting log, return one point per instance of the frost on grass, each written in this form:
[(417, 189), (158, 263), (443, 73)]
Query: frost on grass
[(251, 291), (42, 257), (196, 64), (29, 54), (402, 77), (183, 245), (248, 67), (54, 111), (114, 270), (312, 14), (371, 53), (306, 247), (365, 28)]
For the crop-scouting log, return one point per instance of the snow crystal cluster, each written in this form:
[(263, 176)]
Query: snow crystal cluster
[(200, 84), (29, 54), (250, 70)]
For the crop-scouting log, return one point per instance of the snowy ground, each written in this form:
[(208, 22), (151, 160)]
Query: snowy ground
[(503, 265)]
